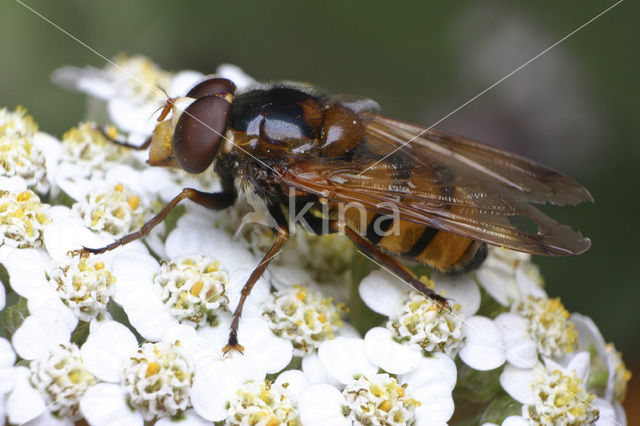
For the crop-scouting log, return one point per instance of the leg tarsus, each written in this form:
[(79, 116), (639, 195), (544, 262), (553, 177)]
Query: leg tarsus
[(214, 201), (142, 147)]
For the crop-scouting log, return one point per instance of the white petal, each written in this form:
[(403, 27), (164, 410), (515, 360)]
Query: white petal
[(283, 277), (47, 299), (105, 404), (183, 81), (262, 346), (499, 285), (607, 413), (296, 381), (131, 116), (64, 236), (389, 355), (13, 184), (24, 402), (459, 289), (132, 269), (26, 268), (521, 350), (7, 377), (7, 355), (580, 364), (48, 419), (235, 74), (621, 416), (527, 285), (314, 369), (515, 421), (106, 349), (348, 330), (518, 383), (382, 292), (590, 339), (436, 407), (345, 359), (146, 313), (484, 345), (215, 383), (38, 333), (189, 418), (90, 80), (321, 405), (435, 370)]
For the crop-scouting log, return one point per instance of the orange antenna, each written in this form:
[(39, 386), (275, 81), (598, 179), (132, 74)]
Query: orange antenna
[(166, 109)]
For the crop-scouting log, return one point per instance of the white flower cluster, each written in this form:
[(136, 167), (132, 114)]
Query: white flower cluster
[(84, 285), (427, 326), (380, 400), (193, 289), (158, 380), (302, 316), (20, 154), (263, 403), (135, 335), (22, 218), (62, 378)]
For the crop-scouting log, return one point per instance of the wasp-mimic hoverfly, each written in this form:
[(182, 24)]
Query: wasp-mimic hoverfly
[(451, 196)]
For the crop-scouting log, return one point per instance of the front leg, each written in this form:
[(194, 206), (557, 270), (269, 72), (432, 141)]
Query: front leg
[(283, 235), (214, 201)]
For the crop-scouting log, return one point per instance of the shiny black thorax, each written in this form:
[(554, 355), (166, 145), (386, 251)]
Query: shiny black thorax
[(276, 115), (283, 125)]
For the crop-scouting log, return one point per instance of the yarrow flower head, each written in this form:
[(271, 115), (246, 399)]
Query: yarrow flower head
[(87, 146), (84, 285), (560, 397), (117, 210), (17, 122), (264, 403), (379, 400), (549, 325), (427, 326), (19, 156), (302, 316), (158, 379), (62, 379), (148, 76), (22, 218), (327, 258), (193, 288)]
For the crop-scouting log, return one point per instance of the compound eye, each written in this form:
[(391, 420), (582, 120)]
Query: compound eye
[(199, 133), (213, 86)]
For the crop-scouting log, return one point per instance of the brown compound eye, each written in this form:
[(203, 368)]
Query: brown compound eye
[(211, 87), (199, 133)]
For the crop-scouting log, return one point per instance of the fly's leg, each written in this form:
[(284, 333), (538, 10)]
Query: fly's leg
[(232, 343), (214, 201), (370, 250), (142, 147)]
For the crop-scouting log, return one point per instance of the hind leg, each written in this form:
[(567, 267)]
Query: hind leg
[(392, 264)]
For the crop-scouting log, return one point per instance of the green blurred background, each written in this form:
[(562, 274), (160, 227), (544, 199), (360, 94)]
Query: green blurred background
[(575, 108)]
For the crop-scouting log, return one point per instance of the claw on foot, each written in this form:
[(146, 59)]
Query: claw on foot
[(443, 303), (83, 252), (229, 347)]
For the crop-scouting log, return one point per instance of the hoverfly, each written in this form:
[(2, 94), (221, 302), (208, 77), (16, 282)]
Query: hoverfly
[(453, 195)]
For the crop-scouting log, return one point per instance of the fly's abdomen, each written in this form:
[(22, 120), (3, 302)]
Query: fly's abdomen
[(441, 250)]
